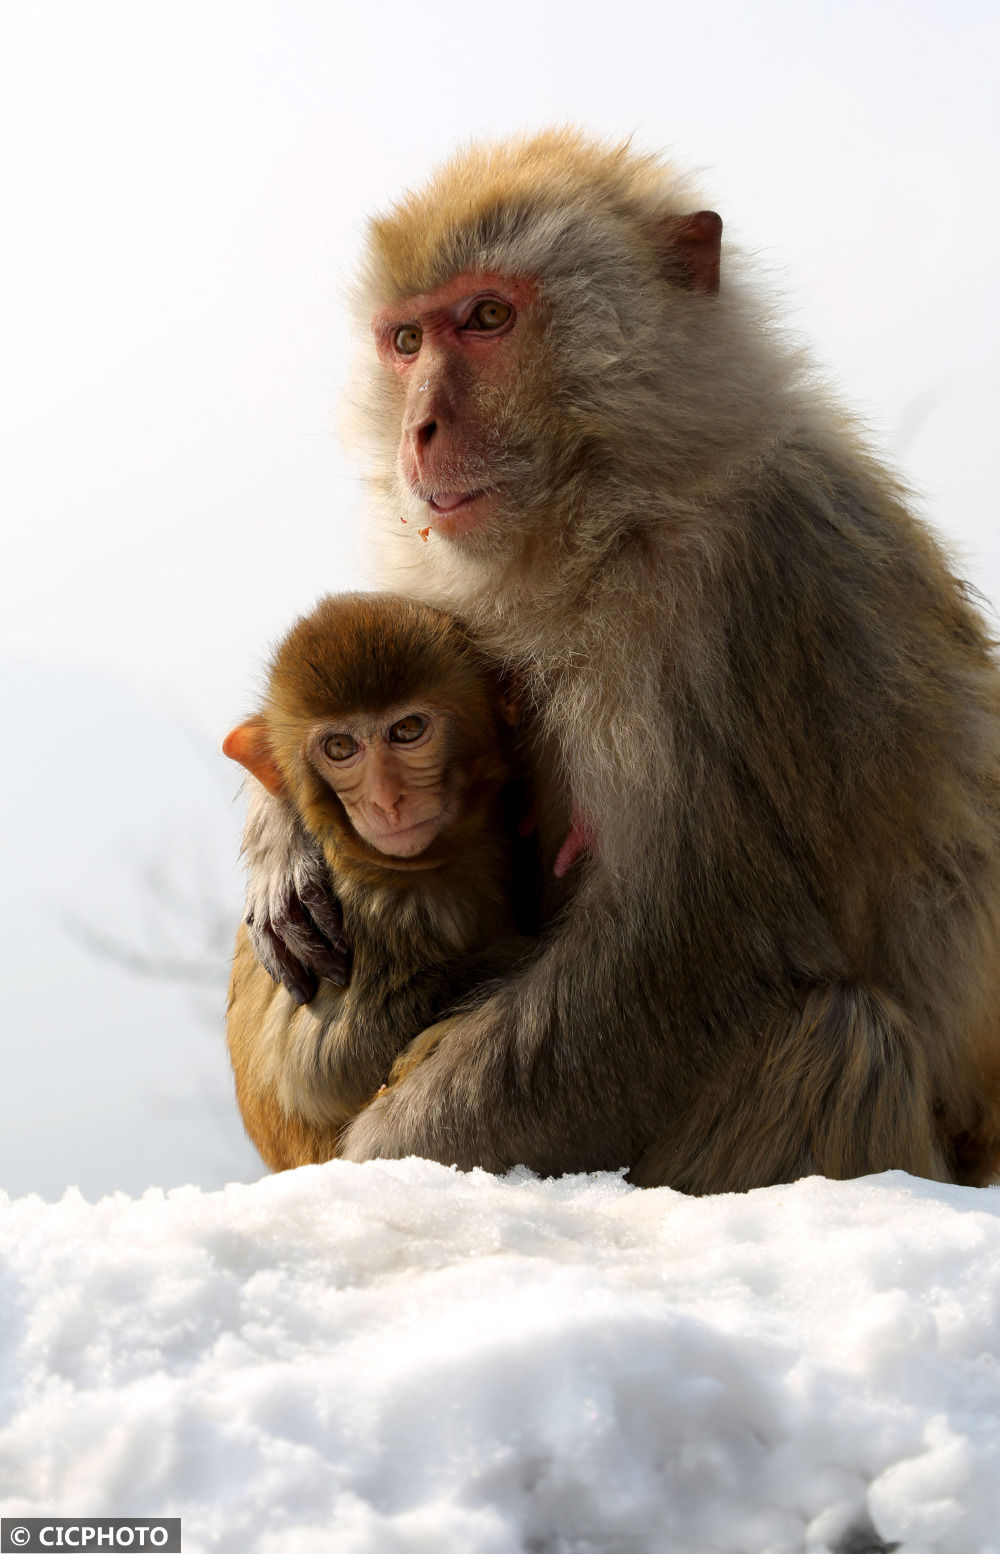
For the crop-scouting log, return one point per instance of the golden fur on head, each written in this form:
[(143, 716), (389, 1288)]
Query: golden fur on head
[(372, 652), (480, 210)]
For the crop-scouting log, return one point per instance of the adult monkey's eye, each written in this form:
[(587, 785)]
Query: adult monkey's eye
[(489, 314), (339, 747), (408, 340), (407, 729)]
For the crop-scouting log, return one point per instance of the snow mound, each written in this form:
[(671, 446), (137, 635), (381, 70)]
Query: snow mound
[(396, 1358)]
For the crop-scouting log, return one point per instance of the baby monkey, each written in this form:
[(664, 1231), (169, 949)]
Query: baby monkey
[(391, 741)]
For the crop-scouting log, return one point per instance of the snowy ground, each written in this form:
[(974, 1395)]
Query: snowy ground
[(397, 1359)]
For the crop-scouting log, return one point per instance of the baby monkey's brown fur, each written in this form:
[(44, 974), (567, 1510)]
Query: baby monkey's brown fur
[(425, 927)]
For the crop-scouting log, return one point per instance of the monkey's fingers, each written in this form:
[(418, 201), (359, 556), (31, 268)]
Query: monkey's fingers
[(329, 949), (297, 979), (324, 911), (300, 950)]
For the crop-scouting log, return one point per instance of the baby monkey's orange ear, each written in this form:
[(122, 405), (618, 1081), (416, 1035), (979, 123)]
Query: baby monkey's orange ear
[(250, 744)]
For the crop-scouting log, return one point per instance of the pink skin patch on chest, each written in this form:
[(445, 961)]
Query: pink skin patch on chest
[(580, 838)]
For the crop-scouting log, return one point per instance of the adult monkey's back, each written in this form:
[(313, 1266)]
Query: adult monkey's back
[(763, 699)]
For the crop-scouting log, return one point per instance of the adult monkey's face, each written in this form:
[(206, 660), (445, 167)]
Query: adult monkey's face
[(533, 319), (458, 356)]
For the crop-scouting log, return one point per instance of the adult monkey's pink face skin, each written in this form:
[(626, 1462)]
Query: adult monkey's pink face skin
[(500, 384), (455, 354)]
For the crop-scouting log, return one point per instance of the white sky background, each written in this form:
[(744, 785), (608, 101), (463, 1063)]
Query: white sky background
[(182, 192)]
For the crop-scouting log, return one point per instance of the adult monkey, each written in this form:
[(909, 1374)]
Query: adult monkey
[(761, 696)]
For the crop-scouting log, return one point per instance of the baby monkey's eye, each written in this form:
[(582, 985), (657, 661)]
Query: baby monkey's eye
[(339, 747), (489, 314), (407, 729), (408, 340)]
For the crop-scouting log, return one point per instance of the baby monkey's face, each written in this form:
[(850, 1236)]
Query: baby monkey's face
[(390, 772)]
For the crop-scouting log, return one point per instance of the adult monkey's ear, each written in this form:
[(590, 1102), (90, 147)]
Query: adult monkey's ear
[(691, 247), (249, 743)]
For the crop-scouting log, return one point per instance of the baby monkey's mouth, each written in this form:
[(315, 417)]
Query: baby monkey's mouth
[(406, 841)]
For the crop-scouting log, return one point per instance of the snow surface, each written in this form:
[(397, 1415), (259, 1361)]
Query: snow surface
[(399, 1359)]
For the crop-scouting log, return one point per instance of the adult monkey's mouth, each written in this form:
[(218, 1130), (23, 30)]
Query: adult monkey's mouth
[(451, 501), (454, 513)]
